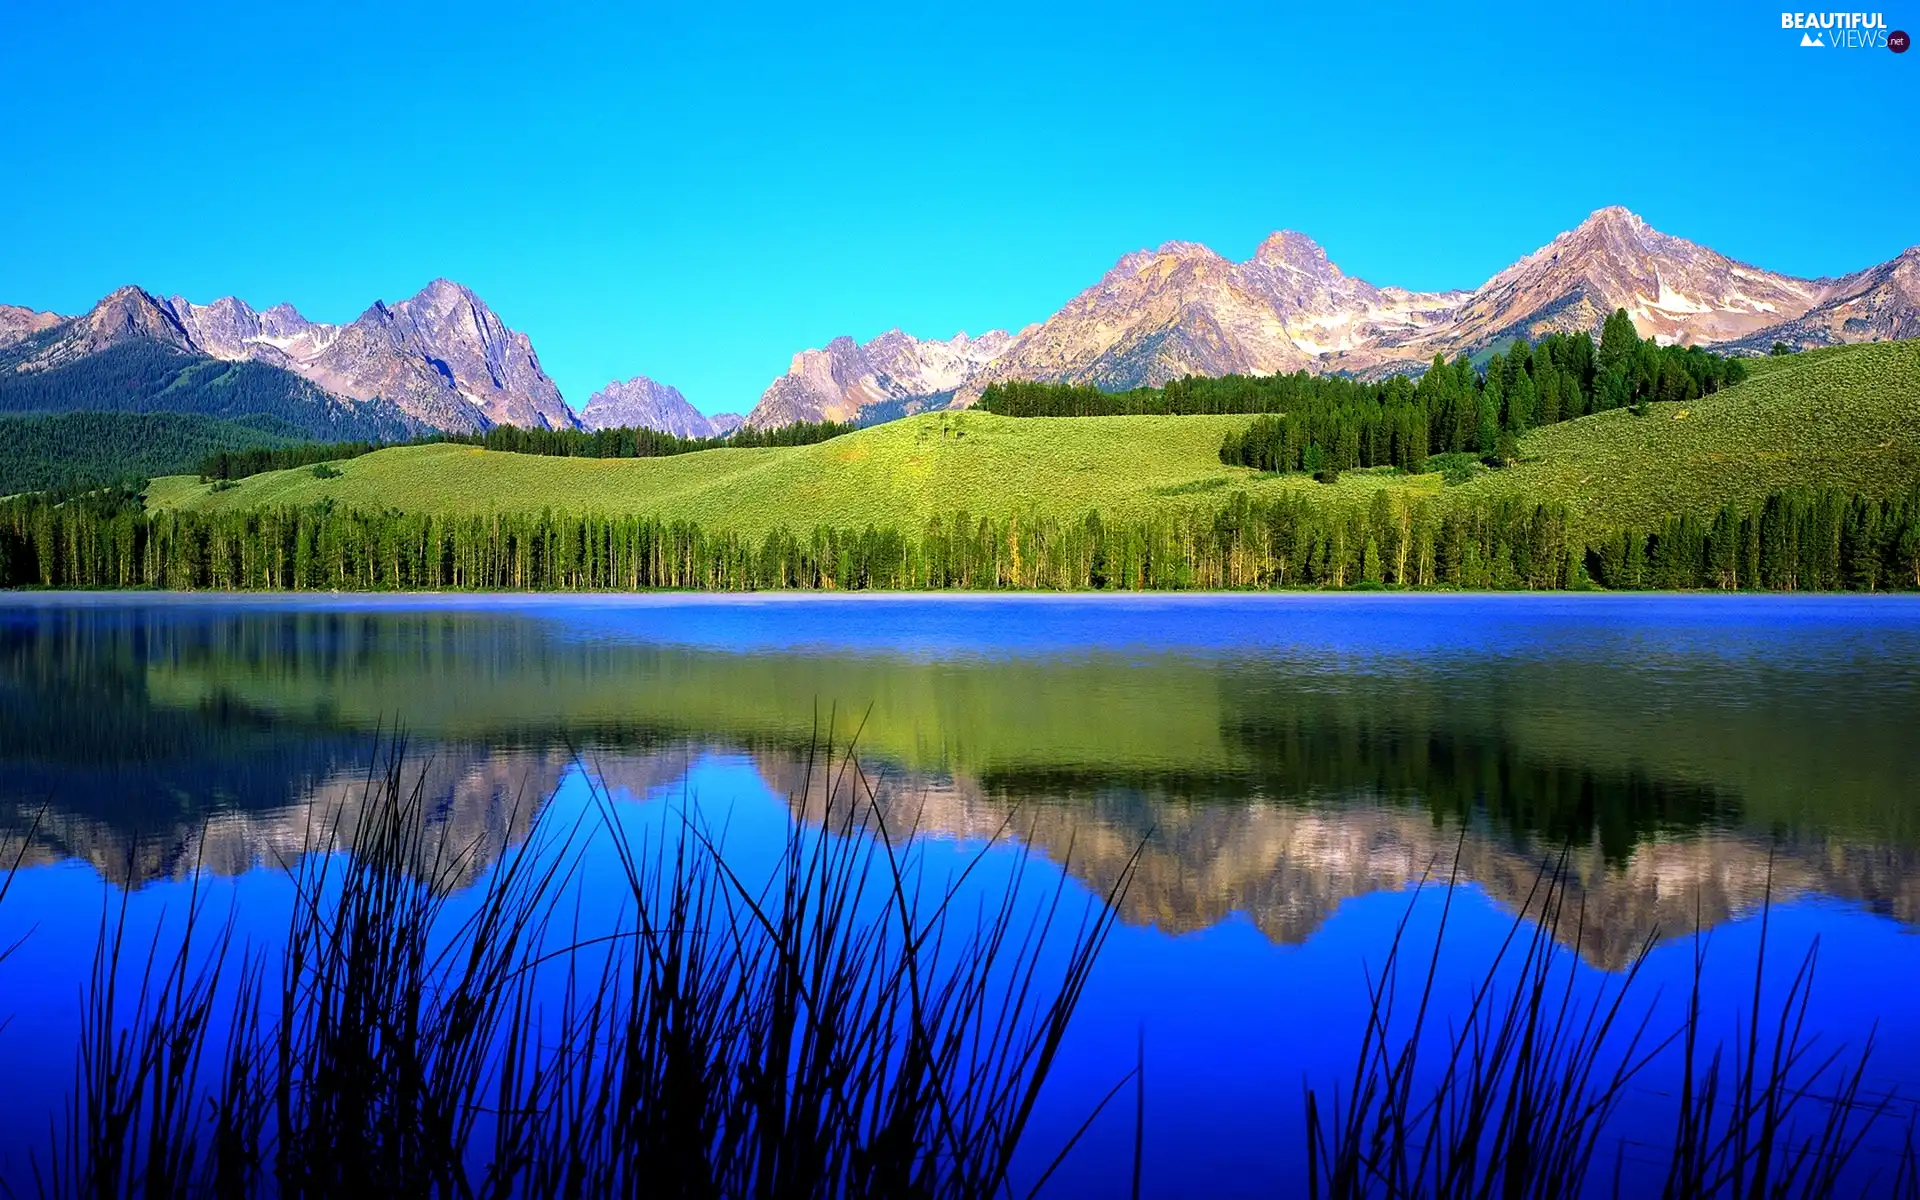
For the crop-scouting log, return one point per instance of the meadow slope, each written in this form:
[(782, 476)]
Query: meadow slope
[(901, 474), (1848, 418)]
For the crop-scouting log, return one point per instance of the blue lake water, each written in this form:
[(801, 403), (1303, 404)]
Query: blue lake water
[(1286, 767)]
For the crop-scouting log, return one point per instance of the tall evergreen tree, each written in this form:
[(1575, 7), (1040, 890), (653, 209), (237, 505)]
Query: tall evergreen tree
[(1619, 342)]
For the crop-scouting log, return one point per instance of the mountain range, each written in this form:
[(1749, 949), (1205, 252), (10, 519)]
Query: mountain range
[(446, 360), (1183, 309), (441, 357)]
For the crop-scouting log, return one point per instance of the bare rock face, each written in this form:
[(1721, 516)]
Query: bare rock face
[(1184, 310), (846, 378), (1878, 304), (442, 356), (18, 324), (647, 404), (1159, 315), (126, 314), (230, 329), (1674, 290), (490, 365)]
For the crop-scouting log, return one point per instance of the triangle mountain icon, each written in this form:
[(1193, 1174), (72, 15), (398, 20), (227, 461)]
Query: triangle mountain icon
[(1807, 39)]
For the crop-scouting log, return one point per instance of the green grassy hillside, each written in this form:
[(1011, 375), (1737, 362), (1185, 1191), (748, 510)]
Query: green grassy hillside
[(1768, 364), (1849, 419), (900, 474), (1117, 717)]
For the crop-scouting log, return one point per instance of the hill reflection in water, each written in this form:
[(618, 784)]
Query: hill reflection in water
[(1285, 767), (1271, 764)]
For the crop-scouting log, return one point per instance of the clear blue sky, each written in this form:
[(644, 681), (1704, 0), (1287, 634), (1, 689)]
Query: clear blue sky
[(697, 192)]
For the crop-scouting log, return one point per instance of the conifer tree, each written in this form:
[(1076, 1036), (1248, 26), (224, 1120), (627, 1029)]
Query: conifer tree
[(1619, 342)]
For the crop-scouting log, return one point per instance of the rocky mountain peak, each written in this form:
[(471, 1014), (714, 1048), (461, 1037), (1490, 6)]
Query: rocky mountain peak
[(284, 320), (221, 328), (1290, 249), (1615, 216), (990, 343), (1673, 289), (1177, 249), (122, 315), (444, 290), (1612, 234), (18, 324), (641, 402), (130, 312), (844, 378), (451, 353)]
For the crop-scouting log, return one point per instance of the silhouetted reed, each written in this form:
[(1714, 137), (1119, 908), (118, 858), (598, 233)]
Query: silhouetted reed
[(852, 1024), (845, 1027), (1528, 1082)]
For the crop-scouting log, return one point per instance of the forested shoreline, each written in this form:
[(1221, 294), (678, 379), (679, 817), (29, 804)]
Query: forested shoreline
[(1794, 541)]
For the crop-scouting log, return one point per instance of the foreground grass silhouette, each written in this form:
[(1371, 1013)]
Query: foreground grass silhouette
[(836, 1030), (841, 1028)]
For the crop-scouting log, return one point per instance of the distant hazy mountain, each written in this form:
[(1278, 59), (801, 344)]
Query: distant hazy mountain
[(644, 403), (846, 379), (443, 357)]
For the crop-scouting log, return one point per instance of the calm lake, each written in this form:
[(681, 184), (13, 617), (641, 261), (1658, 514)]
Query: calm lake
[(1287, 768)]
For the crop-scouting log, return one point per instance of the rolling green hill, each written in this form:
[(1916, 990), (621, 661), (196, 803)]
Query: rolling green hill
[(898, 474), (1768, 364), (1847, 419)]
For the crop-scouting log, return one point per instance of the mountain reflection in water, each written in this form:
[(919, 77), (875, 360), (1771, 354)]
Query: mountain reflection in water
[(1269, 775), (1286, 768)]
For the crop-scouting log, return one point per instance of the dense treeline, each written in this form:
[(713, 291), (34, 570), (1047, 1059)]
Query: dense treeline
[(1822, 541), (1794, 541), (255, 460), (620, 442), (1327, 424), (92, 448), (642, 442), (1454, 408), (148, 377)]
